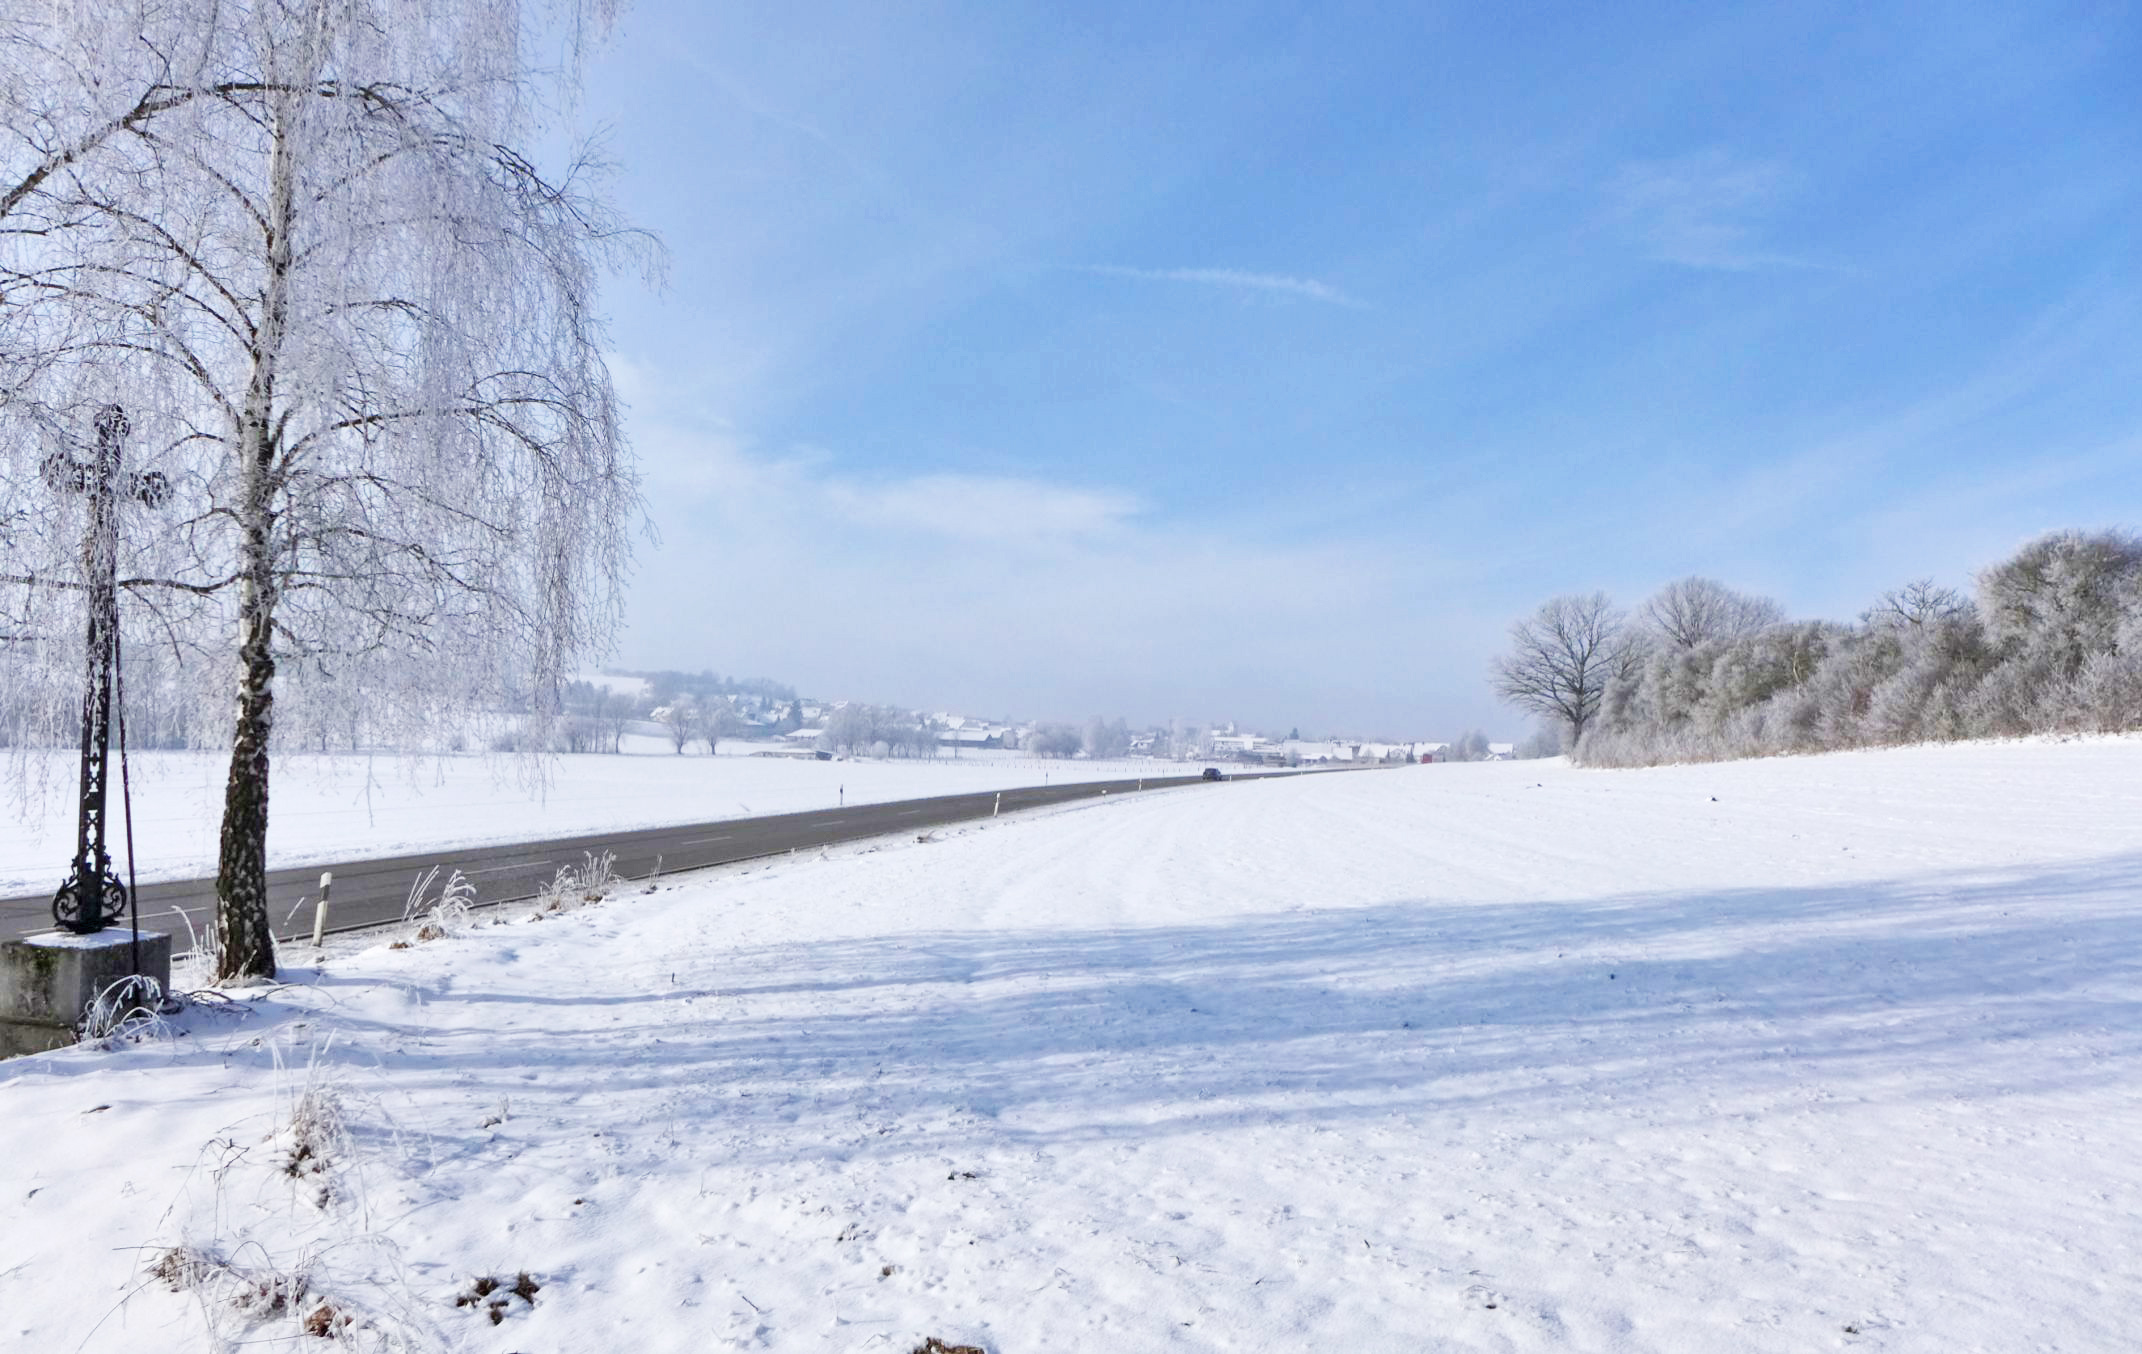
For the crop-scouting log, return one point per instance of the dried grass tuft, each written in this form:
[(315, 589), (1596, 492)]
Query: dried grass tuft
[(591, 881), (133, 1007), (437, 915)]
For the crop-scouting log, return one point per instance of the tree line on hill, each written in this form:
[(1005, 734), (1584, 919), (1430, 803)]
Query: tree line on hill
[(2050, 643)]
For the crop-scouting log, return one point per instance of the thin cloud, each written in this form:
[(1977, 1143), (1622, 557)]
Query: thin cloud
[(1235, 278), (983, 507), (1706, 210)]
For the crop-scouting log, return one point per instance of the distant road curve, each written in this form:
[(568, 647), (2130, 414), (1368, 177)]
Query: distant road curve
[(372, 892)]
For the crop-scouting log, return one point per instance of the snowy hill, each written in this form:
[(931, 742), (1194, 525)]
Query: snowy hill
[(1827, 1053)]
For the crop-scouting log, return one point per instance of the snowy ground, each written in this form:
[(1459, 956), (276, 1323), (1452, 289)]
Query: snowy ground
[(1828, 1053), (339, 808)]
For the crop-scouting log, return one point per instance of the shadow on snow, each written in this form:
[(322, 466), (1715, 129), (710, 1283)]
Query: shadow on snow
[(1661, 1008)]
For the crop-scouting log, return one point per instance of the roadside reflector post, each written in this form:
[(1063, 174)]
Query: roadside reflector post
[(999, 806), (319, 914)]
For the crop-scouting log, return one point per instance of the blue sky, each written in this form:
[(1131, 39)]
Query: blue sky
[(1263, 362)]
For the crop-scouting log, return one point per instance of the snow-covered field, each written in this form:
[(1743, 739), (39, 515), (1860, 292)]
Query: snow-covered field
[(338, 808), (1829, 1053)]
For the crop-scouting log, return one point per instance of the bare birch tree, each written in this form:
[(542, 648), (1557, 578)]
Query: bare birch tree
[(356, 329)]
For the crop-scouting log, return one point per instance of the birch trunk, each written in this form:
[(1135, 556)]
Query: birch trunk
[(245, 942), (245, 947)]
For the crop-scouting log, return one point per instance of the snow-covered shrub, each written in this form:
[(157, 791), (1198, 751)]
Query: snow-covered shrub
[(1792, 719), (1944, 655), (2014, 698), (1841, 692), (1749, 669), (2105, 697), (2064, 596)]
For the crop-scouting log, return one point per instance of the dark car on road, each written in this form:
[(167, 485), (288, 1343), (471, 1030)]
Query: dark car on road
[(1213, 773)]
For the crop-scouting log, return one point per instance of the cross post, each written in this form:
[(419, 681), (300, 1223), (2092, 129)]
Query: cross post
[(92, 897)]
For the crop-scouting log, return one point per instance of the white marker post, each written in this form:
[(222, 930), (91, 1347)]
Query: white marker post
[(319, 914), (999, 808)]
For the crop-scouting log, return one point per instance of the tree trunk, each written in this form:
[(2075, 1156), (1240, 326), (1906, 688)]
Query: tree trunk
[(246, 944), (245, 947)]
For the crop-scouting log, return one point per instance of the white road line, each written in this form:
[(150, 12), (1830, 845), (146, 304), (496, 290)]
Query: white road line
[(494, 869)]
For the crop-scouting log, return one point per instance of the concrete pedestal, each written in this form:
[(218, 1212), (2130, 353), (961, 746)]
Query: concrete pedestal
[(48, 980)]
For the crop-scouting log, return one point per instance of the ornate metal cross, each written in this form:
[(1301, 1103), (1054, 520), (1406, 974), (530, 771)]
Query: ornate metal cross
[(93, 898)]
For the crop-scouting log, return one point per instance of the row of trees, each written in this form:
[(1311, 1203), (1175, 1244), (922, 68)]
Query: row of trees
[(863, 730), (305, 246), (2052, 642), (691, 719)]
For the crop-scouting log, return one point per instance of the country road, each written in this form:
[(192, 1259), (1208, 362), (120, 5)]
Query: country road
[(370, 892)]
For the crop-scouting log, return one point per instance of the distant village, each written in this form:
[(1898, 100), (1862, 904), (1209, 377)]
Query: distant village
[(759, 717)]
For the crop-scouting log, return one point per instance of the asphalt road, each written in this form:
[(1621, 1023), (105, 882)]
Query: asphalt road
[(371, 892)]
